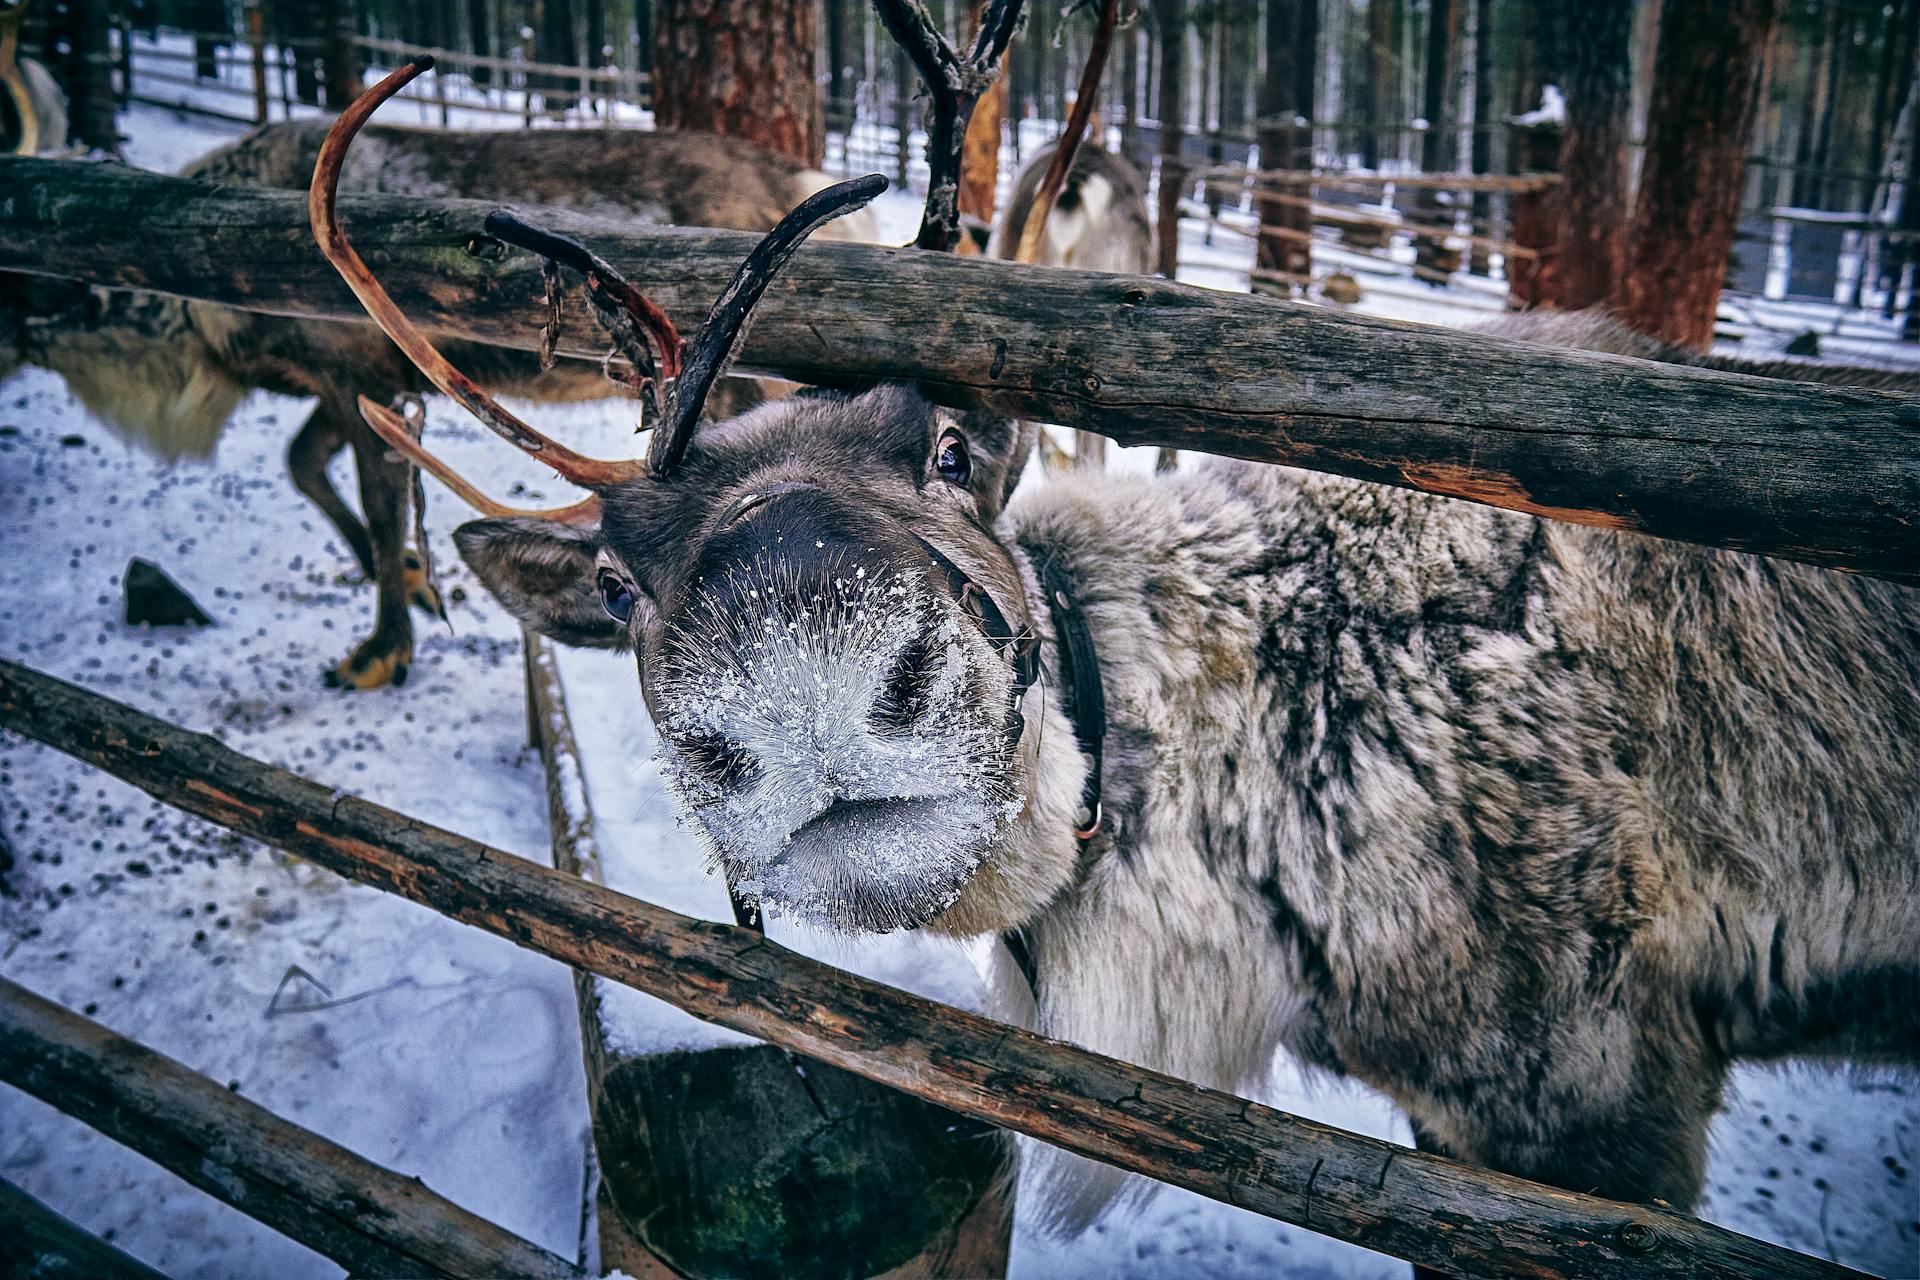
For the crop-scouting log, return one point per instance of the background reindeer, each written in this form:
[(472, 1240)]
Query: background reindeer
[(1535, 827), (169, 373), (1098, 223)]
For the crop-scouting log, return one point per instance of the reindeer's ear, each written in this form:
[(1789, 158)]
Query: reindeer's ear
[(545, 573)]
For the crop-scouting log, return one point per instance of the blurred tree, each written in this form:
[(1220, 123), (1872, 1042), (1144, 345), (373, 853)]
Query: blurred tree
[(1591, 61), (743, 69), (1170, 33), (1707, 79), (1286, 142)]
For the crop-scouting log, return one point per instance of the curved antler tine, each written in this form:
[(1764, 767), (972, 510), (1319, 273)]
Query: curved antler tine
[(392, 428), (591, 473), (714, 345)]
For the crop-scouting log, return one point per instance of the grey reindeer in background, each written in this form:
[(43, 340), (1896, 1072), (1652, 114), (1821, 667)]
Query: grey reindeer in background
[(1535, 827)]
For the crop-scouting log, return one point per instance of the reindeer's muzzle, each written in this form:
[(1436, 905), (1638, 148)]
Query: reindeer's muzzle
[(843, 703)]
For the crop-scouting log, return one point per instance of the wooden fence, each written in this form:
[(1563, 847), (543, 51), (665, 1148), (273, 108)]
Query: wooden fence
[(1414, 1205), (1824, 475)]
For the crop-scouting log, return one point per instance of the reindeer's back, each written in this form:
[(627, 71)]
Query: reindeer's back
[(665, 176)]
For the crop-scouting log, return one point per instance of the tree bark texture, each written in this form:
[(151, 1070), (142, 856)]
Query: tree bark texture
[(743, 69), (1170, 31), (1411, 1204), (1826, 476), (1706, 85), (370, 1220), (741, 1161), (1433, 261), (1286, 141), (1594, 55), (39, 1244), (90, 104)]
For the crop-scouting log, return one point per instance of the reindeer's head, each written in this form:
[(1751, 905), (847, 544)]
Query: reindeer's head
[(831, 636)]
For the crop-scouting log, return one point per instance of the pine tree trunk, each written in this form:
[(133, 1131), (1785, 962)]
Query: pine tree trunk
[(1707, 78), (742, 69), (90, 76), (980, 155), (1432, 259), (1170, 28), (553, 44), (1596, 73), (480, 40), (339, 60), (1383, 101), (1819, 106), (1286, 100), (1483, 133)]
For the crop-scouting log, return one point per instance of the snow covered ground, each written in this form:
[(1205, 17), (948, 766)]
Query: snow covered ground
[(448, 1053)]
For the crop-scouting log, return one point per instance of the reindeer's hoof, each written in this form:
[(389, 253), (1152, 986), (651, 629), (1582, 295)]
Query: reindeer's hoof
[(421, 593), (367, 669)]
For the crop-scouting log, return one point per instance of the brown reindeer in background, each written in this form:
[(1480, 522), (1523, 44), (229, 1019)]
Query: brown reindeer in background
[(169, 373)]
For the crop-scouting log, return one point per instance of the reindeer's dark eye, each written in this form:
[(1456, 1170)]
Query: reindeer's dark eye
[(951, 460), (616, 596)]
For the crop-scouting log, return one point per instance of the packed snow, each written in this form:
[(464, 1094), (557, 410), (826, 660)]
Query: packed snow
[(447, 1053)]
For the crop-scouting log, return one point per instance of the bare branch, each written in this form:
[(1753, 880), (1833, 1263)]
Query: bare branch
[(954, 84)]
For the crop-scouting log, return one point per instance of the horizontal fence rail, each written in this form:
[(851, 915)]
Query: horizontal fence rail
[(370, 1220), (1828, 476), (40, 1244), (1413, 1205)]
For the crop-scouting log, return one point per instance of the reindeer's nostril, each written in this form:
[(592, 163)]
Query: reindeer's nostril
[(720, 762), (904, 698)]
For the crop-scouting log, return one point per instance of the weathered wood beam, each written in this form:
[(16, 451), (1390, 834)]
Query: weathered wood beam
[(1410, 1204), (38, 1244), (1824, 475), (370, 1220), (738, 1160)]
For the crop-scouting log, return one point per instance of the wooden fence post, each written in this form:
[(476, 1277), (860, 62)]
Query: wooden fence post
[(741, 1160)]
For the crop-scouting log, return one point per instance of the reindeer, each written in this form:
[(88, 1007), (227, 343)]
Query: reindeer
[(1535, 827), (1099, 221), (169, 373)]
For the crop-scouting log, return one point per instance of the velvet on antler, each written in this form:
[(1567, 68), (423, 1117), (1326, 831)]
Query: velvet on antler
[(954, 84)]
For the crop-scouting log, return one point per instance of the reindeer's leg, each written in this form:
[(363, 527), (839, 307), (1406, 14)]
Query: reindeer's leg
[(312, 449), (386, 655)]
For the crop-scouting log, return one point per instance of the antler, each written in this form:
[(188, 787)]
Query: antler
[(955, 84), (634, 319), (726, 324), (392, 428), (630, 317), (589, 473)]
